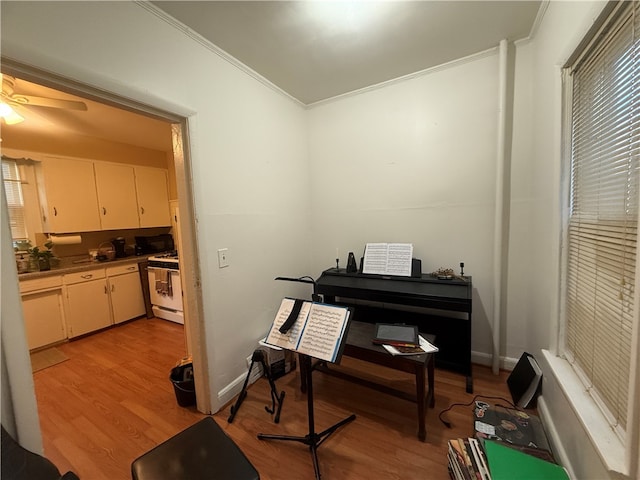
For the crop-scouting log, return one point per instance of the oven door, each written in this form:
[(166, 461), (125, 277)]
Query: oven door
[(160, 295)]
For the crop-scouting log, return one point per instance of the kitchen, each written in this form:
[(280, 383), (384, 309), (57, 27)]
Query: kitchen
[(100, 203)]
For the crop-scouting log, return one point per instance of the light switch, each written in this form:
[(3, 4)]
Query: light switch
[(223, 257)]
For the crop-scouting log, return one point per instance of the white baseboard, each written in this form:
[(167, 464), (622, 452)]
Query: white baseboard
[(486, 359), (229, 392)]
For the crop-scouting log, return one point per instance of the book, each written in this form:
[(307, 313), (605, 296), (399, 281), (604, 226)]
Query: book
[(472, 468), (457, 461), (398, 335), (508, 464), (318, 330), (388, 259), (464, 462), (524, 381), (514, 428), (479, 456), (425, 347)]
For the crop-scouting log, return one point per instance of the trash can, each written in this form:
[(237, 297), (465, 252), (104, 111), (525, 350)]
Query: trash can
[(182, 379)]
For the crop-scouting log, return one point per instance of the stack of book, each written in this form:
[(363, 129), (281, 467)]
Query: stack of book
[(477, 459), (509, 444), (401, 339), (467, 460)]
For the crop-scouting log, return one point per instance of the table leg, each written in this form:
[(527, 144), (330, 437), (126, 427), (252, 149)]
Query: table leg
[(421, 400), (431, 376)]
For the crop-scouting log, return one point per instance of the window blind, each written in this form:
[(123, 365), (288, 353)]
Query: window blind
[(15, 199), (603, 221)]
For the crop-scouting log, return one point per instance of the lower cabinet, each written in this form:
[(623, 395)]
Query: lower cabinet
[(66, 306), (87, 302), (43, 310), (125, 292)]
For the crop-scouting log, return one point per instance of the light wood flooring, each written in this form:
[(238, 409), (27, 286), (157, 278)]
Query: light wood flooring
[(112, 401)]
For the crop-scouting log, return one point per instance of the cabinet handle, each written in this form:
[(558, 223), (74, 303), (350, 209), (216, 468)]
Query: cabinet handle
[(142, 210), (131, 268), (105, 290), (55, 212), (90, 275), (104, 211), (113, 288)]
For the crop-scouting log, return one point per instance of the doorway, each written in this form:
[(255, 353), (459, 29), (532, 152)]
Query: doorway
[(177, 140)]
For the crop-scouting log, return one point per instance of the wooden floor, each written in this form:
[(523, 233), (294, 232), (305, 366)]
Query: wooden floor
[(112, 401)]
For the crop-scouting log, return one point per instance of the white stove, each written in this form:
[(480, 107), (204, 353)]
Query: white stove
[(165, 260), (165, 287)]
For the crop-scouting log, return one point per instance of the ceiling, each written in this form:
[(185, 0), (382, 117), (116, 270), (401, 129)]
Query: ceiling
[(315, 50), (312, 50), (98, 121)]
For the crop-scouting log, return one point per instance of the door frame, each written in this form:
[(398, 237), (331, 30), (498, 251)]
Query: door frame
[(189, 271)]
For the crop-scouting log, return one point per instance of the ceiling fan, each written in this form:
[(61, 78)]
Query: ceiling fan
[(12, 99)]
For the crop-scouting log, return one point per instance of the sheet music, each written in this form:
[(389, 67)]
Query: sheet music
[(323, 331), (290, 339), (317, 332), (388, 259)]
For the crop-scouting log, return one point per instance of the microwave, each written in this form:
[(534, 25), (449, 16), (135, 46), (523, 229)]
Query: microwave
[(154, 244)]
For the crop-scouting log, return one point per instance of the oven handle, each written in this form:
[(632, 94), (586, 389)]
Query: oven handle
[(164, 268)]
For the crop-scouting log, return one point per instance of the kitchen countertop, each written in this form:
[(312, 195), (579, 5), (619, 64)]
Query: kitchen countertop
[(67, 265)]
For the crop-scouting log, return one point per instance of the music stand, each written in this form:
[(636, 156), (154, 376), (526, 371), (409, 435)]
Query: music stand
[(312, 439)]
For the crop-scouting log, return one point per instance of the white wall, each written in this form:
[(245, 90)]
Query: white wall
[(535, 221), (248, 146), (413, 162)]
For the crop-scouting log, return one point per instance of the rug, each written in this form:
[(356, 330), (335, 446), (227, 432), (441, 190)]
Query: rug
[(46, 358)]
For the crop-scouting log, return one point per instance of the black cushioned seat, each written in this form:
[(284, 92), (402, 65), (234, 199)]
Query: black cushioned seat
[(202, 451), (18, 463)]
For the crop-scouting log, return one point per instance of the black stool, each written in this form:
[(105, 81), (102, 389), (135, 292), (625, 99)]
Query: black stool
[(201, 452)]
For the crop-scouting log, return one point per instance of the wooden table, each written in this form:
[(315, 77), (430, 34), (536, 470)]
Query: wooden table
[(359, 345)]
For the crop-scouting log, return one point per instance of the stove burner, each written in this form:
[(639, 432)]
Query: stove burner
[(165, 256)]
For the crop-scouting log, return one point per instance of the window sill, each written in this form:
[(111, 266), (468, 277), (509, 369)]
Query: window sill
[(602, 436)]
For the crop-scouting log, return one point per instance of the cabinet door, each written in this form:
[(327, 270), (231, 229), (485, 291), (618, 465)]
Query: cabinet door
[(127, 301), (116, 196), (43, 317), (87, 307), (153, 197), (70, 199)]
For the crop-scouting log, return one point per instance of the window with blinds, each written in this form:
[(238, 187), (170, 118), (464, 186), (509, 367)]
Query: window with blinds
[(603, 222), (15, 199)]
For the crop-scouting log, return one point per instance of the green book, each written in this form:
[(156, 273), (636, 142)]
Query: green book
[(508, 464)]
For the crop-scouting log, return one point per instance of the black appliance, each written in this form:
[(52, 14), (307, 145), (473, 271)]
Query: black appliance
[(119, 246), (154, 244)]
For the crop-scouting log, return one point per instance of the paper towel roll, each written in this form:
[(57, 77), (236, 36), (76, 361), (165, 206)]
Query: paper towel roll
[(65, 239)]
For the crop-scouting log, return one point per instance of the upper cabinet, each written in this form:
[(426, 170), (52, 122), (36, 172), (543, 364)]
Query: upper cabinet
[(70, 203), (116, 188), (153, 197), (84, 196)]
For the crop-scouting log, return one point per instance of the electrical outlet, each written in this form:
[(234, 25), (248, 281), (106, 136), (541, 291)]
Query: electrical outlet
[(223, 257)]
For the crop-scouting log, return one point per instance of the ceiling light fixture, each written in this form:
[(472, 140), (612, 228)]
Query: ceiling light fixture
[(350, 17), (9, 115)]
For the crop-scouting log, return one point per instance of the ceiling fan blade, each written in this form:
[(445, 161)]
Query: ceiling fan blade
[(53, 102)]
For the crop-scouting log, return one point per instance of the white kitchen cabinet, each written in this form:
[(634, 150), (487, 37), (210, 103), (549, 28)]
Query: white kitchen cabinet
[(43, 311), (116, 187), (125, 291), (87, 302), (153, 197), (69, 200)]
